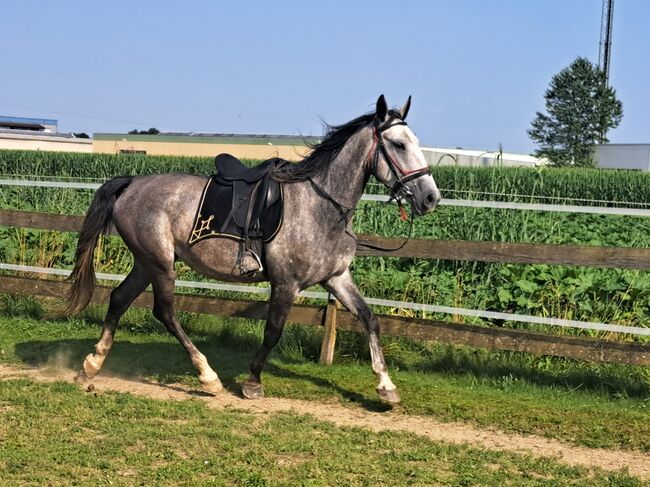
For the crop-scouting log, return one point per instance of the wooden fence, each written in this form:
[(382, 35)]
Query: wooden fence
[(421, 329), (516, 253)]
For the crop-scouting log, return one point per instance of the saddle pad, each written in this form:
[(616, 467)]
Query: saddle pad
[(216, 204)]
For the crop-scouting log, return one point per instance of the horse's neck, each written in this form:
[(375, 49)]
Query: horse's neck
[(345, 178)]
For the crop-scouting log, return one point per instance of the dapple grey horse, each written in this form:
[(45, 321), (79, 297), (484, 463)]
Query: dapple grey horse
[(154, 216)]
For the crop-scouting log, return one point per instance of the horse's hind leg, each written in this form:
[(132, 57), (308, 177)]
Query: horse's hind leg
[(121, 298), (163, 287)]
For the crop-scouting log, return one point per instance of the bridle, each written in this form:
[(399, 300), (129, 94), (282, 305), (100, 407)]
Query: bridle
[(402, 176), (398, 190)]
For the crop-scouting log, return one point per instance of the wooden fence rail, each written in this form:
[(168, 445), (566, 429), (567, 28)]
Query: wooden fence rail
[(517, 253), (419, 329)]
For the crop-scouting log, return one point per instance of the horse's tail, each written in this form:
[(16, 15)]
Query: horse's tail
[(98, 220)]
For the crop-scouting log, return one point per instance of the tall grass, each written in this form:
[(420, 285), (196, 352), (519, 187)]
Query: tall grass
[(97, 166)]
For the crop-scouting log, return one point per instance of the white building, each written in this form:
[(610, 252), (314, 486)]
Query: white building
[(623, 156), (439, 156)]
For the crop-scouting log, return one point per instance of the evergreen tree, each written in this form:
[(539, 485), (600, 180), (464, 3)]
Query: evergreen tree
[(581, 109)]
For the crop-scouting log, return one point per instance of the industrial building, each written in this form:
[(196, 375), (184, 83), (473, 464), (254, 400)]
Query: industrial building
[(23, 133), (42, 125), (288, 147), (623, 156), (439, 156)]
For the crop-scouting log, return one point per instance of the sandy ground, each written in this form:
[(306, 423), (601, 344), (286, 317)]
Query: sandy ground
[(456, 433)]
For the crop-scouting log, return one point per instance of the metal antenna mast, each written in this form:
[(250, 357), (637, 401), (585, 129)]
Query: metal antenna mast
[(604, 53)]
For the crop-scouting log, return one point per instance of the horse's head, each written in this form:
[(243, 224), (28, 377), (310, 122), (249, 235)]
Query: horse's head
[(396, 160)]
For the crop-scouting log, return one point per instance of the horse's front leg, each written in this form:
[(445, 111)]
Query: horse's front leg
[(346, 291), (279, 307)]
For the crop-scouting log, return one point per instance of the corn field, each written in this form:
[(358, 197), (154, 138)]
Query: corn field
[(605, 295)]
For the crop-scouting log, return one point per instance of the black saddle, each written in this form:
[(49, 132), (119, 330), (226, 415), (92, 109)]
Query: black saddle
[(230, 168), (243, 203)]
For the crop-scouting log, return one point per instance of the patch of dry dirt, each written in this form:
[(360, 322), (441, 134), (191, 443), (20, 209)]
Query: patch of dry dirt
[(456, 433)]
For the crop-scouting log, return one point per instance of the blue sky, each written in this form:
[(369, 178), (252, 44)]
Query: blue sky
[(477, 70)]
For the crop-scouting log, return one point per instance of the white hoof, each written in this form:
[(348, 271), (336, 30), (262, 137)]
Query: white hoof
[(92, 366), (213, 387), (389, 396)]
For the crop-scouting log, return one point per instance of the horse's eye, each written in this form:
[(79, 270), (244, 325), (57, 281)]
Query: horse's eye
[(398, 145)]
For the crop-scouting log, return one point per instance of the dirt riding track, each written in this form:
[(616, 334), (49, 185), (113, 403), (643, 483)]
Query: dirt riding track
[(454, 433)]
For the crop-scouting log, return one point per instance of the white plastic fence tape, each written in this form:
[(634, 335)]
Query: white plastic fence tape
[(48, 184), (431, 308), (511, 205)]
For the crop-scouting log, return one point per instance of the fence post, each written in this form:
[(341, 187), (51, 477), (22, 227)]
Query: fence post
[(329, 337)]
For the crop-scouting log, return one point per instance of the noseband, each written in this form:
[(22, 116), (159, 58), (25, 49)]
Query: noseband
[(402, 176)]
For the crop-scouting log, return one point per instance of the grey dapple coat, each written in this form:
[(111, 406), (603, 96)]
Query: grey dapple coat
[(154, 216)]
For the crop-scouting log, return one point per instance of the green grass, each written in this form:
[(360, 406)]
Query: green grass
[(58, 435), (587, 404)]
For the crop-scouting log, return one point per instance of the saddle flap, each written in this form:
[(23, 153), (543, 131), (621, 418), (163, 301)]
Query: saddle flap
[(239, 209)]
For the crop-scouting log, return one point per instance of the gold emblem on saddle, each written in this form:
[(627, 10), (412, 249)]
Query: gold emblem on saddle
[(200, 229)]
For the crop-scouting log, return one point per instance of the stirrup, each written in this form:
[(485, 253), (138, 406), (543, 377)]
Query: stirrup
[(249, 263)]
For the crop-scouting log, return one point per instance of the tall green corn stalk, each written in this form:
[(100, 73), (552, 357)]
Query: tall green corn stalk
[(595, 186), (607, 295)]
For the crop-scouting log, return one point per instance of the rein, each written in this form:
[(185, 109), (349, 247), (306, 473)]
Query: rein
[(398, 190)]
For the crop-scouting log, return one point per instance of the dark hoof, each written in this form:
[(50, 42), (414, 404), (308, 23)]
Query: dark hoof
[(390, 396), (252, 390)]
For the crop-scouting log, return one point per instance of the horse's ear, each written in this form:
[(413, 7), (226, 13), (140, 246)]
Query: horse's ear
[(405, 109), (382, 108)]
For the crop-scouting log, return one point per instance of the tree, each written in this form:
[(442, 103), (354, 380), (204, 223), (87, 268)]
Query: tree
[(581, 109), (151, 131)]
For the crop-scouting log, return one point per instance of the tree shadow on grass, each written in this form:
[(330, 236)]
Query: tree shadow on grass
[(610, 379), (168, 362)]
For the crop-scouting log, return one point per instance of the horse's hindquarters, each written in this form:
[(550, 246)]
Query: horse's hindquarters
[(155, 216)]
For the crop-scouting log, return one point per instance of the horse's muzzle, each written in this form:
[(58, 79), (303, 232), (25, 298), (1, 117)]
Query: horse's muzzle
[(425, 200)]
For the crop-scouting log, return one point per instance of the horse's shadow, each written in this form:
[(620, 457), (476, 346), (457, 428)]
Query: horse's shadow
[(167, 363)]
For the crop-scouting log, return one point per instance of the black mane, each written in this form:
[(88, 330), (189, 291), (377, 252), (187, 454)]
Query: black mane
[(323, 153)]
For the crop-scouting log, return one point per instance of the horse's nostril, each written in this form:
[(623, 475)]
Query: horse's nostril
[(431, 200)]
